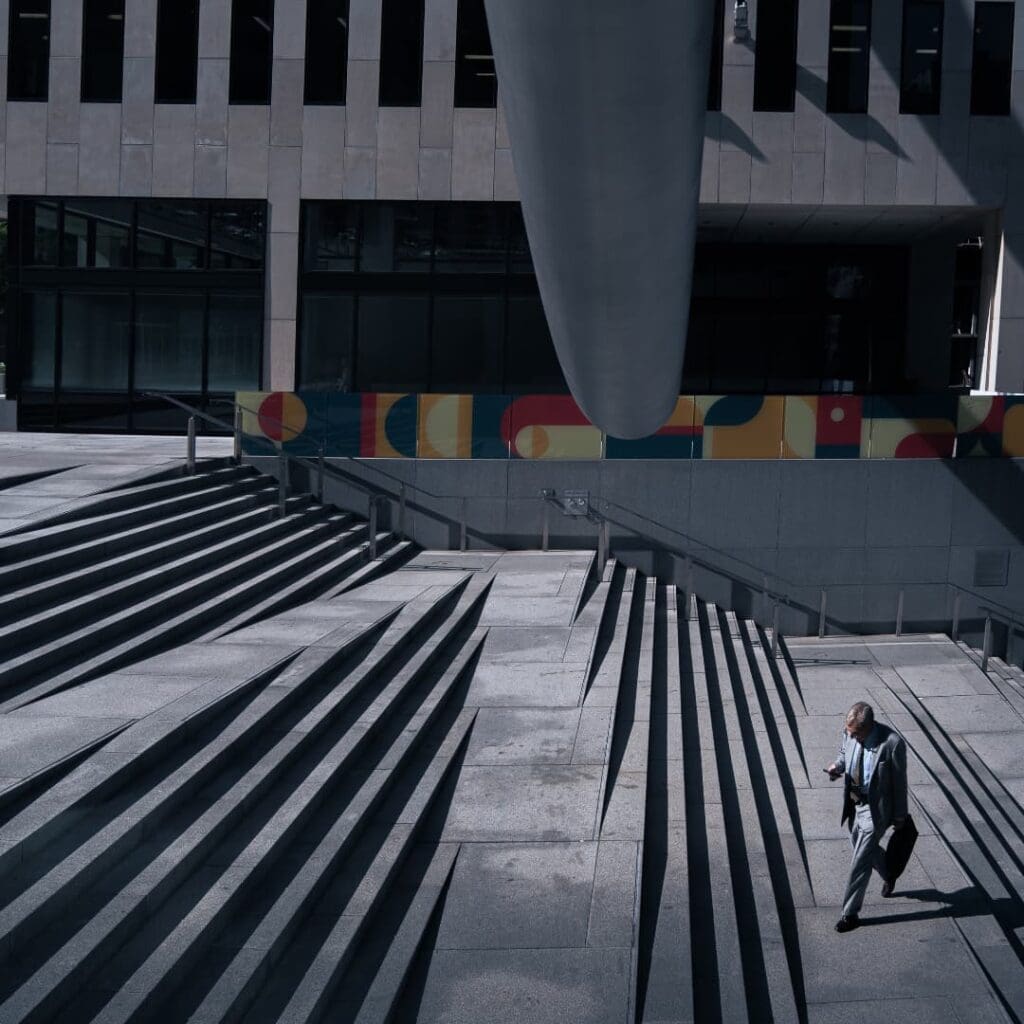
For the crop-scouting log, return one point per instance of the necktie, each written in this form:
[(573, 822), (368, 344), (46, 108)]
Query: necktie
[(858, 766)]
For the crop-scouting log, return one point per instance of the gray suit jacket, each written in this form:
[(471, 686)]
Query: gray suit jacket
[(887, 791)]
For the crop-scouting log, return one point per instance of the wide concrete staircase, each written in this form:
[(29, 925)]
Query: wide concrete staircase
[(278, 844), (137, 569)]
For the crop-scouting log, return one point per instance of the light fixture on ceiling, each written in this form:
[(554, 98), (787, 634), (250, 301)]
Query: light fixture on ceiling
[(262, 22)]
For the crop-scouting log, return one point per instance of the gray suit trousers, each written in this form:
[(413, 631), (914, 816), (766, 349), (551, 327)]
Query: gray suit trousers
[(866, 855)]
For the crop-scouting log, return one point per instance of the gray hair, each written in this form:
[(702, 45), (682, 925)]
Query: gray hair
[(860, 714)]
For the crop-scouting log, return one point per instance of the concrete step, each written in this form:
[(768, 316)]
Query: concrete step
[(723, 994), (130, 588), (316, 583), (380, 1004), (52, 982), (182, 949), (763, 817), (233, 588), (39, 541), (65, 560), (171, 553), (392, 554), (665, 956)]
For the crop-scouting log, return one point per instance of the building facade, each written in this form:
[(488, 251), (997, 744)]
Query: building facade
[(211, 195)]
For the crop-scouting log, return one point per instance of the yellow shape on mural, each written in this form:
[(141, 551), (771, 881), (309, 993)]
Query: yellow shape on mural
[(800, 427), (445, 428), (1013, 432)]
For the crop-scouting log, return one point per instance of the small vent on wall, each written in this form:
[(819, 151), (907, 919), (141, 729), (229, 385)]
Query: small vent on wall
[(990, 568)]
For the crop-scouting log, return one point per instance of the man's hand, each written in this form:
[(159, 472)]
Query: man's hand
[(833, 771)]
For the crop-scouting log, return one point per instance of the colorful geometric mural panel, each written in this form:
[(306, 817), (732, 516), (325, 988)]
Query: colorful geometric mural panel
[(701, 426), (550, 427), (673, 441), (739, 426), (910, 427)]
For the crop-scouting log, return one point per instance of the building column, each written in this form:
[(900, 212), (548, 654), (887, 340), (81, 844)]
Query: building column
[(930, 312)]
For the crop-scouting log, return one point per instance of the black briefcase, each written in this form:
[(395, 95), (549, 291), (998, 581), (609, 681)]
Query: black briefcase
[(900, 847)]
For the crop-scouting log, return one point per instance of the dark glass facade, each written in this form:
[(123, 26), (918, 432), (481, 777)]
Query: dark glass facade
[(849, 56), (476, 84), (441, 297), (112, 298), (177, 51), (102, 50), (775, 55), (992, 65), (921, 69), (717, 44), (401, 53), (28, 48), (326, 51), (252, 41)]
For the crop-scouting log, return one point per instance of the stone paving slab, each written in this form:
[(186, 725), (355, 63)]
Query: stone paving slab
[(916, 952), (226, 658), (527, 986), (519, 895), (526, 644), (527, 803), (547, 685), (524, 736)]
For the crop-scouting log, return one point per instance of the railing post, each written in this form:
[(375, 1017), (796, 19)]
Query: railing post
[(190, 446), (545, 528), (602, 548), (463, 538), (821, 612), (986, 647), (955, 631), (320, 474), (237, 452), (401, 513), (372, 526), (765, 597), (899, 614), (689, 588), (282, 481), (775, 630)]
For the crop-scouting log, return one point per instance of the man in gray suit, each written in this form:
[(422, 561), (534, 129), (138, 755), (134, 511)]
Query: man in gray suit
[(873, 759)]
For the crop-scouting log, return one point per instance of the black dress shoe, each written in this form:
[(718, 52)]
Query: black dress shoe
[(887, 889), (847, 923)]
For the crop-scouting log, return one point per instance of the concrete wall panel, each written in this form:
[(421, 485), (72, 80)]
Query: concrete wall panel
[(64, 108), (136, 170), (360, 173), (917, 174), (808, 177), (215, 28), (435, 174), (173, 150), (398, 143), (211, 171), (505, 186), (439, 27), (140, 28), (473, 154), (99, 153), (248, 151), (364, 30), (61, 169), (286, 105), (437, 111), (65, 28), (137, 108), (845, 159), (289, 29), (26, 152), (283, 188), (323, 137), (212, 102)]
